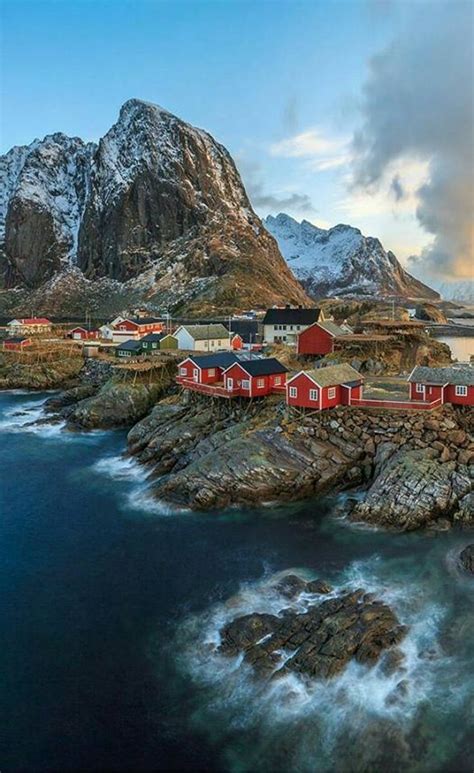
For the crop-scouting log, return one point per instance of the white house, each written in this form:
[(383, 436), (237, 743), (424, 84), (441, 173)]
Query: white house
[(282, 325), (203, 338)]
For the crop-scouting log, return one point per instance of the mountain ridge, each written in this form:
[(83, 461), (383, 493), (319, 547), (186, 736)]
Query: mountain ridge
[(342, 261)]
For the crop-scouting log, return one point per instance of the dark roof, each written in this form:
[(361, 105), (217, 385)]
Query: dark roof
[(291, 316), (130, 346), (217, 360), (264, 367), (460, 376), (144, 320), (153, 337), (15, 339), (248, 329)]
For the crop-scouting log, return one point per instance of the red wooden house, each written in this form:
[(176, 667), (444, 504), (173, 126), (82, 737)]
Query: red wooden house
[(82, 334), (205, 369), (318, 338), (324, 388), (16, 344), (139, 325), (449, 385), (255, 378)]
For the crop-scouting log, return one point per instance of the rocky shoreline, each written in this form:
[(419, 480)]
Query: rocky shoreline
[(411, 469)]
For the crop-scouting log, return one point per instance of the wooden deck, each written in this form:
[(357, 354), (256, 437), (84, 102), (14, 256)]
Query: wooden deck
[(416, 405)]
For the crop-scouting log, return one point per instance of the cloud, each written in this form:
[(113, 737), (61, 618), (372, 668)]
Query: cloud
[(319, 151), (262, 199), (397, 188), (418, 104)]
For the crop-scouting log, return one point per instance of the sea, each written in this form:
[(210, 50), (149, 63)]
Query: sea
[(111, 605)]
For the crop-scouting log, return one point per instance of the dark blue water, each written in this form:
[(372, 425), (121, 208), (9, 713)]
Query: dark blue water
[(106, 601)]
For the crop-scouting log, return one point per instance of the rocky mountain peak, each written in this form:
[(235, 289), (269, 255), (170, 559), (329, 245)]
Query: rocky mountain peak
[(156, 202), (342, 261)]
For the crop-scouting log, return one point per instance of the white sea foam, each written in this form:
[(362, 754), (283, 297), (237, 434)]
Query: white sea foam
[(139, 496), (121, 467), (28, 417)]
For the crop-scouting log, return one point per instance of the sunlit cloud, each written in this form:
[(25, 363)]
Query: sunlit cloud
[(317, 150)]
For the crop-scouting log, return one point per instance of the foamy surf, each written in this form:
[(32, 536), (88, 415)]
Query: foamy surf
[(139, 497), (319, 716)]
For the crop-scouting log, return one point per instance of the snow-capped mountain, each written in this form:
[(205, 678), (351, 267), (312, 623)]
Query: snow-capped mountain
[(461, 290), (342, 261), (156, 203)]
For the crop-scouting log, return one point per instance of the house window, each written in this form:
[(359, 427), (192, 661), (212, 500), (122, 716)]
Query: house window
[(182, 371), (298, 327), (212, 343), (313, 394), (283, 338), (260, 383), (331, 393), (293, 392), (277, 380), (460, 391), (245, 384), (420, 388), (283, 327), (212, 372)]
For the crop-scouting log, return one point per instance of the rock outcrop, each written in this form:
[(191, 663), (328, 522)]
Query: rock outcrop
[(156, 204), (414, 489), (318, 642), (466, 557)]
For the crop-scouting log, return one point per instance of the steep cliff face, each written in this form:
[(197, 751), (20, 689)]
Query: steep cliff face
[(157, 203), (342, 261)]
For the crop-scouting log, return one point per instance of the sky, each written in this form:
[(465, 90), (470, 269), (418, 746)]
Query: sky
[(354, 111)]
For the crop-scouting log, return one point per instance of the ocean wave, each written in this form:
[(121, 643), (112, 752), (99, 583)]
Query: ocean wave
[(139, 497)]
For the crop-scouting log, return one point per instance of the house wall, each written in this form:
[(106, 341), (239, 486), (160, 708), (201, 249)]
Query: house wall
[(237, 374), (315, 340), (212, 345), (303, 384), (189, 368), (185, 341), (169, 342), (285, 333), (431, 392), (331, 402), (451, 397)]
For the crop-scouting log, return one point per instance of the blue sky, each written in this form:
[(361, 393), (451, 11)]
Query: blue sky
[(280, 83)]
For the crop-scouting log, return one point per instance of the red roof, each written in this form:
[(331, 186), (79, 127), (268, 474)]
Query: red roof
[(34, 321)]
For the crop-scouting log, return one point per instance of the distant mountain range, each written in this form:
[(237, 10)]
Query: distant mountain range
[(342, 261), (156, 205)]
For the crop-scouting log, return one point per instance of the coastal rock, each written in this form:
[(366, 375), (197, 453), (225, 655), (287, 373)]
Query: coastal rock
[(413, 489), (318, 642), (466, 557), (114, 405)]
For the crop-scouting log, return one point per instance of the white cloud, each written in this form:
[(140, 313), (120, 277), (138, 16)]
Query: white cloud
[(319, 151)]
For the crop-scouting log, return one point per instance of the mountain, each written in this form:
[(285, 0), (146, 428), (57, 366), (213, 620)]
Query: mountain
[(156, 204), (342, 261), (461, 290)]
